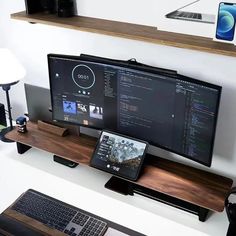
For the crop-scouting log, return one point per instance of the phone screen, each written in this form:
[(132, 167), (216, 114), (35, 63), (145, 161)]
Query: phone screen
[(226, 21)]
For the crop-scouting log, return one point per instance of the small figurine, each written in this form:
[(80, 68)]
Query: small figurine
[(21, 124)]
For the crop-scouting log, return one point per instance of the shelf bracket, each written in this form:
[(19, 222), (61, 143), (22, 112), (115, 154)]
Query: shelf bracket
[(22, 148), (202, 214)]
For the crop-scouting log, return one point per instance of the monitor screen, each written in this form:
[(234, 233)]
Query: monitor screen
[(170, 111)]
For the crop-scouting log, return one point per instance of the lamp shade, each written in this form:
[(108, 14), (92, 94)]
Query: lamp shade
[(11, 70)]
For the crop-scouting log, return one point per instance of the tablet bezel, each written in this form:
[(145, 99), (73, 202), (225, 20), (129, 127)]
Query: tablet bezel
[(112, 171)]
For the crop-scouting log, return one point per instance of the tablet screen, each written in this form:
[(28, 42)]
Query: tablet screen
[(119, 155)]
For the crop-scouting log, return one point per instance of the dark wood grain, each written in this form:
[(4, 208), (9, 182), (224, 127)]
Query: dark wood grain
[(3, 232), (51, 128), (202, 188), (33, 224), (71, 147), (131, 31), (180, 181)]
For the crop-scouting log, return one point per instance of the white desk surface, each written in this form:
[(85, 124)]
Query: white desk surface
[(83, 187)]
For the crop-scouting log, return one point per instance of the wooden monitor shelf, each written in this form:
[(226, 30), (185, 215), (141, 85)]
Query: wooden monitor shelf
[(71, 147), (181, 185), (130, 31)]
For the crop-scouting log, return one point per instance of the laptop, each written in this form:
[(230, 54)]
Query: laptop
[(38, 100), (187, 15)]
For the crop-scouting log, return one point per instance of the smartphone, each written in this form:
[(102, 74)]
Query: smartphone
[(226, 21)]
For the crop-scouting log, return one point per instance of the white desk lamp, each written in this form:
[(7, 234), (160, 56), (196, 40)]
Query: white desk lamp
[(11, 71)]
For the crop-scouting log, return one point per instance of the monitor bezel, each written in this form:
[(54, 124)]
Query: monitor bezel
[(149, 69)]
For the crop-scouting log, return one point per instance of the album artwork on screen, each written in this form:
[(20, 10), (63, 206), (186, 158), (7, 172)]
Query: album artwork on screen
[(119, 155)]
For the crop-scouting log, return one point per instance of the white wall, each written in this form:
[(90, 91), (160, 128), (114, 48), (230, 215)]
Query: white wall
[(32, 42)]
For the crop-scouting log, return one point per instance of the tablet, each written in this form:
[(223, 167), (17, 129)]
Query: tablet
[(119, 155)]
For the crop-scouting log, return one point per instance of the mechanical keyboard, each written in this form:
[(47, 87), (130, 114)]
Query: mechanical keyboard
[(59, 215)]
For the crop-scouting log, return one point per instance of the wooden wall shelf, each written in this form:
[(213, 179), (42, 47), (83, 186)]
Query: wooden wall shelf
[(130, 31), (203, 189)]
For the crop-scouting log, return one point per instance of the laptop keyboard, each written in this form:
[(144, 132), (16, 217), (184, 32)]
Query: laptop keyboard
[(58, 215), (190, 15)]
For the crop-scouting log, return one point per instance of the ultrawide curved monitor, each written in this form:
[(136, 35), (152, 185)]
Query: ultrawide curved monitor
[(166, 109)]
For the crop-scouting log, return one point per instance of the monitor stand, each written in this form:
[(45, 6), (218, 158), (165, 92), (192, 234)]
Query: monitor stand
[(187, 188)]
